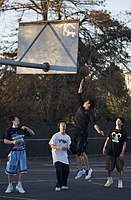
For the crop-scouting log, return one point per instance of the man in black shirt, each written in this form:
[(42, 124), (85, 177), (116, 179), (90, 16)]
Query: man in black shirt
[(114, 148), (15, 139), (83, 117)]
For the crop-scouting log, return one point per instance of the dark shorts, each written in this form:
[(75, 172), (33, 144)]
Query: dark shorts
[(112, 162), (79, 142)]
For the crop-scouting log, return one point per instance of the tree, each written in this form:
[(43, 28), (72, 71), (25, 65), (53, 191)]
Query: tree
[(103, 43), (43, 10), (38, 98), (107, 42), (112, 94)]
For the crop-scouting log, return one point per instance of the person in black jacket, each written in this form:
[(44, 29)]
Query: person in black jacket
[(83, 117)]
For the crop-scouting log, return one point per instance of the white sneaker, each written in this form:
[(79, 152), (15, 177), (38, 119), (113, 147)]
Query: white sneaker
[(120, 184), (80, 173), (9, 189), (88, 174), (20, 189), (57, 189), (64, 188), (108, 182)]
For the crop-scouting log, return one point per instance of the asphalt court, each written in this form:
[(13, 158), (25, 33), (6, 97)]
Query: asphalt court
[(40, 182)]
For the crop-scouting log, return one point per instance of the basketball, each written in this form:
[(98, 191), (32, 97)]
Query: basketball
[(84, 71)]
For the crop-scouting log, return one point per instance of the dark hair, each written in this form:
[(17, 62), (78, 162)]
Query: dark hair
[(60, 123), (122, 119), (91, 101), (11, 119)]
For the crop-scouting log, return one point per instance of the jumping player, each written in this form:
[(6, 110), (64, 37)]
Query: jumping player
[(83, 117)]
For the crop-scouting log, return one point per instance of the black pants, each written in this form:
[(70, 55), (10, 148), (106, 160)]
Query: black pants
[(62, 172)]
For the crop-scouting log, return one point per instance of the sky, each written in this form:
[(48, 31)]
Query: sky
[(118, 5)]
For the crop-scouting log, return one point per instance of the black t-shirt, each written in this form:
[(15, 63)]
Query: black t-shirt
[(16, 134), (116, 140), (83, 117)]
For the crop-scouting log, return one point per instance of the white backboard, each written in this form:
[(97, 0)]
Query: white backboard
[(55, 42)]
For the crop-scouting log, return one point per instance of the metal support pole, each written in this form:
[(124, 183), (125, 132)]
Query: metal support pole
[(44, 66)]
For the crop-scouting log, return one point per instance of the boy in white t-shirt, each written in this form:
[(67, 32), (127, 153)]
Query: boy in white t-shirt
[(59, 144)]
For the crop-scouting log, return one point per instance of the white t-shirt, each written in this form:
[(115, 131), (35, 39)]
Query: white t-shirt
[(60, 139)]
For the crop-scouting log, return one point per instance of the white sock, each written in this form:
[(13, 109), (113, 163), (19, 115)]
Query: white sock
[(19, 183), (120, 180)]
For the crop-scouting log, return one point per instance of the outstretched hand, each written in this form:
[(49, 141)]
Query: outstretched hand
[(101, 133)]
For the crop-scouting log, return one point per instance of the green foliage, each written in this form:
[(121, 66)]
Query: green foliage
[(119, 107)]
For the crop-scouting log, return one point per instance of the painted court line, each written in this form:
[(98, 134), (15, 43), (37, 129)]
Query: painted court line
[(115, 186), (7, 197)]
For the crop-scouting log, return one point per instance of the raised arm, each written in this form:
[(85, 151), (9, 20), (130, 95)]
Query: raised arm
[(28, 129), (80, 90)]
